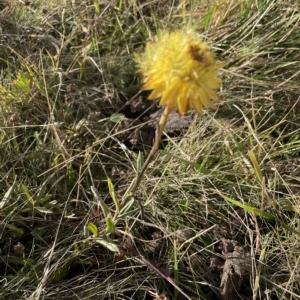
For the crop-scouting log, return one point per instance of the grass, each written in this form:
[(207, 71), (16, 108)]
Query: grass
[(70, 101)]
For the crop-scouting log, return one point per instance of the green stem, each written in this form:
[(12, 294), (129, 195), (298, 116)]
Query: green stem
[(159, 132)]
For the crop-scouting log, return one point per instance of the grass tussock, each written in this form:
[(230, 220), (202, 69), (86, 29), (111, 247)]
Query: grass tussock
[(72, 118)]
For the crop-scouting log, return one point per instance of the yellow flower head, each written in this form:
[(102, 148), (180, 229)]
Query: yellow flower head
[(181, 70)]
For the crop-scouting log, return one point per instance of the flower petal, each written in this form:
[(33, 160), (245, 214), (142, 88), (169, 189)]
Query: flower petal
[(205, 100), (170, 94), (183, 103), (198, 107), (211, 94), (155, 94)]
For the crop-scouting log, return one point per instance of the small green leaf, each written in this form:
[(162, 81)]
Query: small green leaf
[(97, 7), (140, 161), (113, 194), (27, 193), (16, 230), (115, 118), (43, 210), (41, 194), (93, 229), (53, 202), (107, 244), (110, 225)]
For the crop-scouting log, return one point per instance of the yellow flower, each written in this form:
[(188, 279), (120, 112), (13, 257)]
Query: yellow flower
[(181, 70)]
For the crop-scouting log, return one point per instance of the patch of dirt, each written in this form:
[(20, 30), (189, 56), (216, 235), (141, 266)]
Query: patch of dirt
[(141, 130)]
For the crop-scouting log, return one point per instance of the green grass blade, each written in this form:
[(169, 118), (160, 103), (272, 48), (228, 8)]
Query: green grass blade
[(251, 209), (257, 169)]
